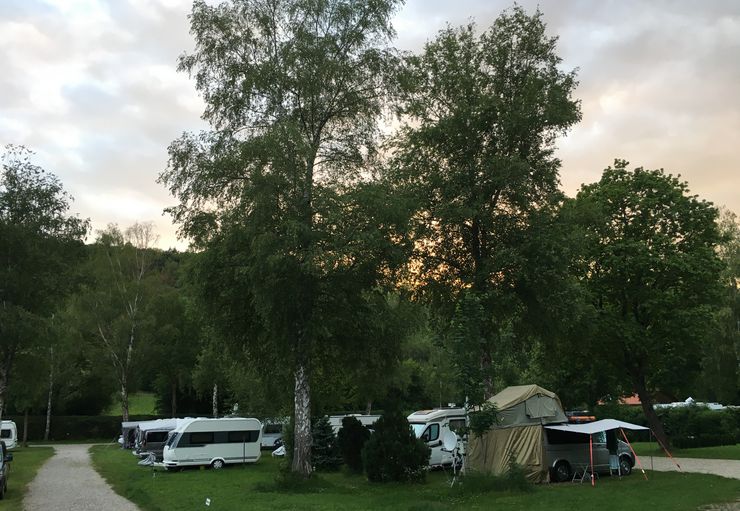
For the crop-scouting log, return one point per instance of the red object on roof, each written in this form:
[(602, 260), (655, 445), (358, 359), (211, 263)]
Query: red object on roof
[(632, 400)]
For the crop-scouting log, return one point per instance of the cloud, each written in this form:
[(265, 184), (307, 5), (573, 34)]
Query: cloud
[(92, 86)]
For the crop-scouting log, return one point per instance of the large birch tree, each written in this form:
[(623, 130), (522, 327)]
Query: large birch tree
[(293, 91)]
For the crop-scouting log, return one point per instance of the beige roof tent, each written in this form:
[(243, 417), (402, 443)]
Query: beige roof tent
[(523, 410)]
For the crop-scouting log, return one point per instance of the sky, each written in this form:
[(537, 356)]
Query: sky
[(91, 86)]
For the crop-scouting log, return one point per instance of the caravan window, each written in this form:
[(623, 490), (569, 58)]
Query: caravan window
[(172, 439), (243, 436), (156, 436), (273, 428), (5, 433), (201, 438)]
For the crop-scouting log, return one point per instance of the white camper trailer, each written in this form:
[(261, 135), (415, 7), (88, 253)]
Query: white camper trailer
[(9, 434), (214, 442), (431, 426), (365, 420)]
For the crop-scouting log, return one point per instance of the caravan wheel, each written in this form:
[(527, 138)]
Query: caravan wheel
[(217, 464)]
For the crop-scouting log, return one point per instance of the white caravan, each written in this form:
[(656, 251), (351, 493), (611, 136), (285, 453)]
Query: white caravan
[(431, 426), (9, 434), (365, 420), (213, 442)]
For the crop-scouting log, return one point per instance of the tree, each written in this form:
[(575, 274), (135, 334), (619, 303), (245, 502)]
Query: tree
[(482, 116), (115, 302), (39, 246), (293, 90), (652, 274), (720, 375)]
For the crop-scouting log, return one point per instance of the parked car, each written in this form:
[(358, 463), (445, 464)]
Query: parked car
[(5, 459)]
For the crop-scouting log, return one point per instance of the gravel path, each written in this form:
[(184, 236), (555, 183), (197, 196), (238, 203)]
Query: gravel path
[(725, 468), (68, 482)]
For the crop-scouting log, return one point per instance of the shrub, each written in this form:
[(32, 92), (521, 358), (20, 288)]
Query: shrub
[(324, 449), (393, 453), (351, 439)]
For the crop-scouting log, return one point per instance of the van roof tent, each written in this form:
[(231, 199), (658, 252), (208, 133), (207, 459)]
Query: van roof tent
[(522, 405)]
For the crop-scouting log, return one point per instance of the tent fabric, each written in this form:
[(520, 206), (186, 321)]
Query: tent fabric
[(518, 434), (494, 451), (527, 405), (589, 428)]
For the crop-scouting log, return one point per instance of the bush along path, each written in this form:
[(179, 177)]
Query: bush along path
[(68, 482)]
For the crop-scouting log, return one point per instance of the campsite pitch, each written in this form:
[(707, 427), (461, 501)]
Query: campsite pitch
[(252, 486), (26, 463)]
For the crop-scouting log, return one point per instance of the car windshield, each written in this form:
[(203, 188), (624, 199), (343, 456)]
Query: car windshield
[(418, 428)]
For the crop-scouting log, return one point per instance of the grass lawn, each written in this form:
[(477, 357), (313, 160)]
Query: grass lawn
[(248, 487), (26, 462), (720, 452), (139, 403)]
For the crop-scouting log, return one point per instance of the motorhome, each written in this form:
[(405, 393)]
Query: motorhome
[(431, 426), (214, 442), (9, 434)]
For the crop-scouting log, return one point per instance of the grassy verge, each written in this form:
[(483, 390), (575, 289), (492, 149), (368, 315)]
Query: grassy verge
[(250, 486), (139, 403), (720, 452), (26, 462)]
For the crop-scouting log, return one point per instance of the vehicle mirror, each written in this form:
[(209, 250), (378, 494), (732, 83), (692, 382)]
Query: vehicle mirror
[(8, 458)]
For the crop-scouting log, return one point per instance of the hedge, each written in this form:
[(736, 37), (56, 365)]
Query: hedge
[(686, 426), (74, 427)]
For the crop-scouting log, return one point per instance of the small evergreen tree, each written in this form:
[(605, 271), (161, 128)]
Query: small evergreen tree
[(351, 439), (393, 453), (324, 450)]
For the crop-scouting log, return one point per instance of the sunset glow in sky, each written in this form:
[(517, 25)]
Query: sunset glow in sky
[(91, 86)]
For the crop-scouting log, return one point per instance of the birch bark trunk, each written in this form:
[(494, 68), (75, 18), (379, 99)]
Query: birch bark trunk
[(302, 432)]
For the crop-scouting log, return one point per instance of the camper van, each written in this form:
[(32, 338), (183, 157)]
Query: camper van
[(568, 453), (9, 434), (214, 442), (431, 425)]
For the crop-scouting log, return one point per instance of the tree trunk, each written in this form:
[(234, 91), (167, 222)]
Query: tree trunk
[(3, 389), (369, 408), (214, 400), (647, 407), (124, 401), (25, 428), (173, 397), (302, 432), (51, 390)]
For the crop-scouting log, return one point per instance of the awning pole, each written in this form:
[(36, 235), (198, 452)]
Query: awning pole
[(634, 454), (591, 455)]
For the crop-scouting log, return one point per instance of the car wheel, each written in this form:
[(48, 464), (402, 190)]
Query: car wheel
[(561, 472), (625, 465), (218, 464), (3, 489)]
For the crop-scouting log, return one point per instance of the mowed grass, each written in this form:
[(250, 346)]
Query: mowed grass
[(139, 403), (26, 462), (249, 487), (720, 452)]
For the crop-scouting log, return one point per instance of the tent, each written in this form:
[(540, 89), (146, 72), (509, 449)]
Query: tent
[(519, 434)]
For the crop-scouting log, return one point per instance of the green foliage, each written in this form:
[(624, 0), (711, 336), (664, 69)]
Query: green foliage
[(325, 453), (476, 155), (351, 439), (484, 419), (393, 453)]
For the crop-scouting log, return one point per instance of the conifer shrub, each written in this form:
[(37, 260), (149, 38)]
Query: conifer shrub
[(351, 439), (393, 453), (325, 453)]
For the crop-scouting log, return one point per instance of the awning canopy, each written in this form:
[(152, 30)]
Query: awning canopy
[(589, 428)]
